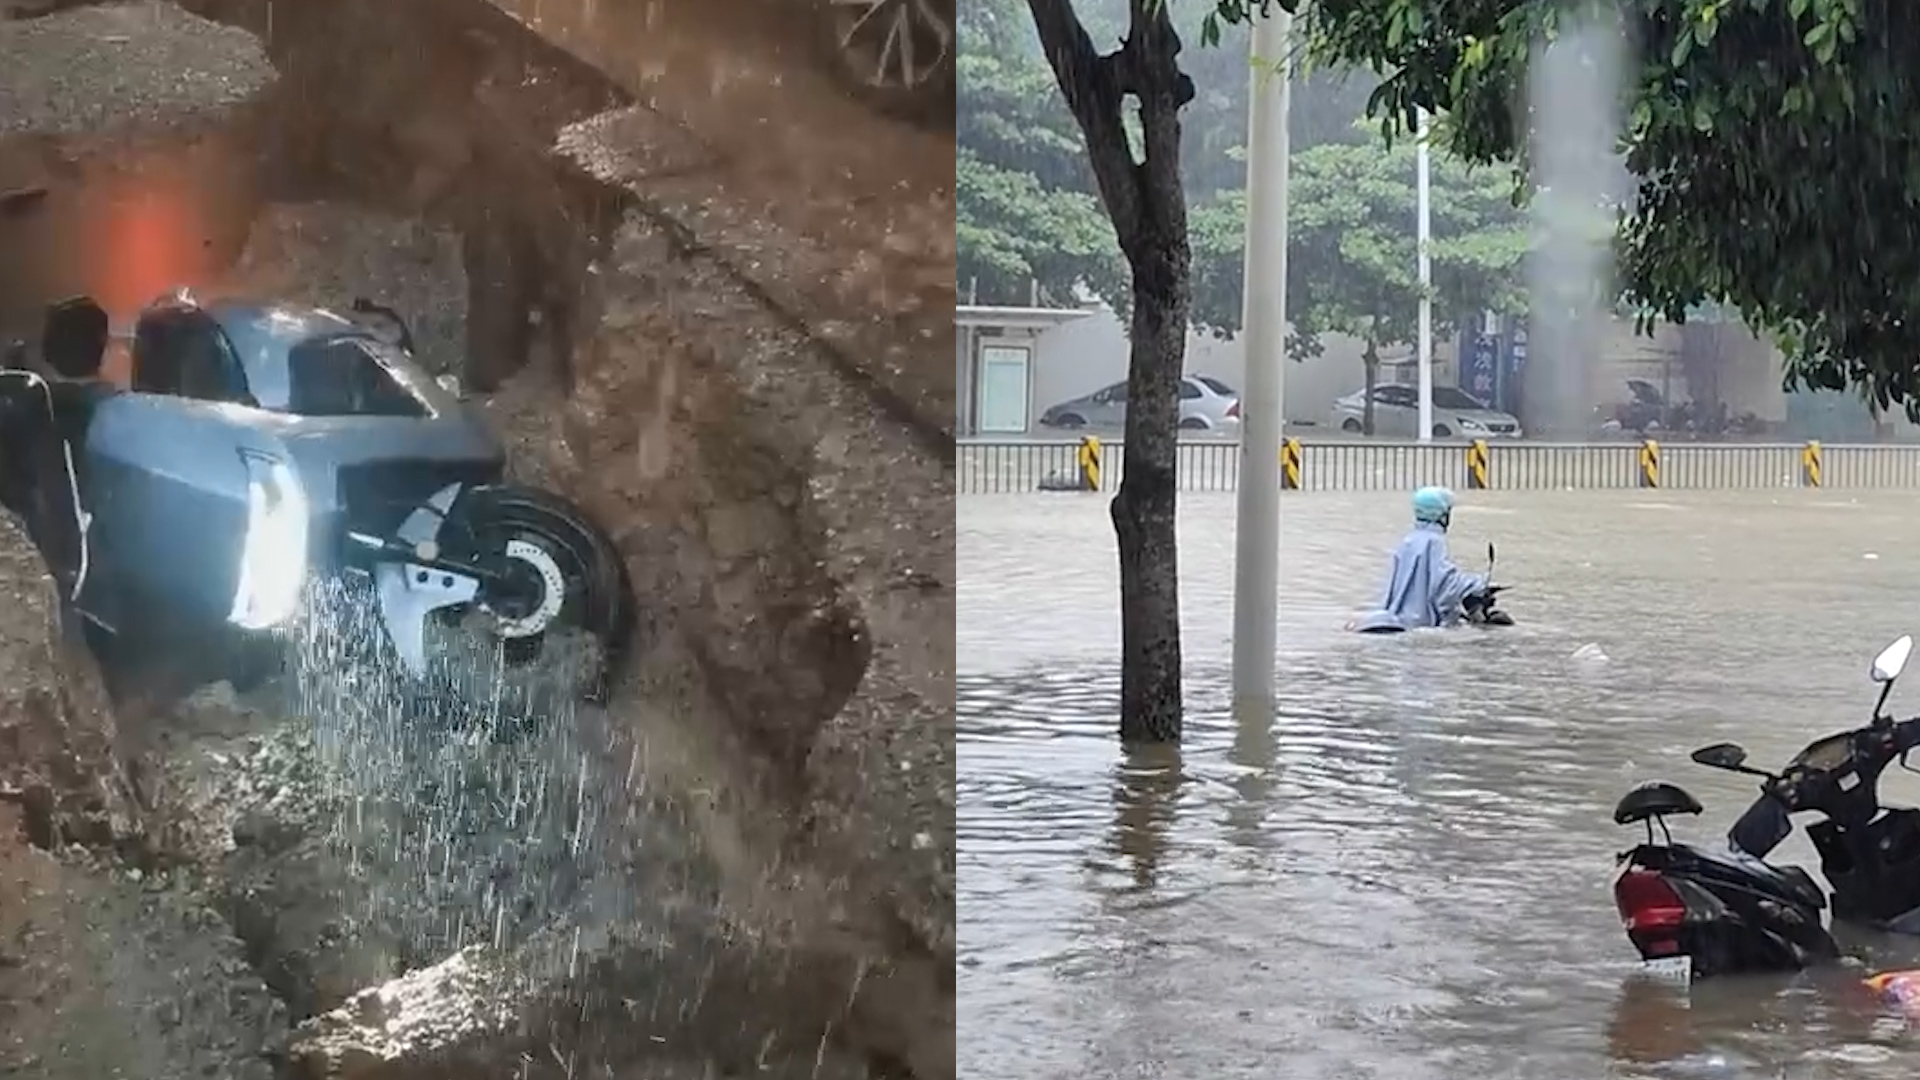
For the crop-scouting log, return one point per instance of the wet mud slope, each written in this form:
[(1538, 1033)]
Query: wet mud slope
[(746, 864), (840, 221)]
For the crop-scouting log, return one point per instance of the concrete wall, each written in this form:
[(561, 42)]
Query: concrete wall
[(1090, 353)]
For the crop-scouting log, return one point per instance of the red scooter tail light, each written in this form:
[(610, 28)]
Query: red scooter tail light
[(1647, 902)]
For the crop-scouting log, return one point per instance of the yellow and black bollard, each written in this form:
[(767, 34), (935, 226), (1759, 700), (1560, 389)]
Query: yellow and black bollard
[(1477, 463), (1290, 464), (1810, 463), (1086, 459), (1649, 463)]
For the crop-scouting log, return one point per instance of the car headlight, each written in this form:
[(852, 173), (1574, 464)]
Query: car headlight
[(273, 557), (1469, 424)]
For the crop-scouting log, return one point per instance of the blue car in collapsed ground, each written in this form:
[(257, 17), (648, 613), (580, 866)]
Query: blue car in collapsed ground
[(266, 448)]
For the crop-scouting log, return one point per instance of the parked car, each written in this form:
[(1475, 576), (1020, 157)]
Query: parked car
[(1396, 412), (1206, 404)]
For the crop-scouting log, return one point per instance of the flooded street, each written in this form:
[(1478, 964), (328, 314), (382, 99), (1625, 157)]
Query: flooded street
[(1408, 874)]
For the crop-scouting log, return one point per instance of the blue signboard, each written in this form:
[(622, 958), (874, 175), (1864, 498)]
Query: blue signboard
[(1512, 370), (1480, 366)]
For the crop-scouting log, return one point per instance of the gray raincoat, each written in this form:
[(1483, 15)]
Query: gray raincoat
[(1426, 589)]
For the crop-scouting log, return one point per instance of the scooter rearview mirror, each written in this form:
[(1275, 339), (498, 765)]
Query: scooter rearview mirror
[(1724, 755), (1729, 756), (1892, 660)]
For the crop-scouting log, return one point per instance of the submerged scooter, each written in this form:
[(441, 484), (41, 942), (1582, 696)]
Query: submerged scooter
[(1483, 608), (1694, 913), (1478, 609)]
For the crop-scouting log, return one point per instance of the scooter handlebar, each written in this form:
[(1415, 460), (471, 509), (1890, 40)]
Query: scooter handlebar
[(1905, 735)]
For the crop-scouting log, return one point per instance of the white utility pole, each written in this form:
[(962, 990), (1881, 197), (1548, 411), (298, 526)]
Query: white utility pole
[(1256, 585), (1423, 211)]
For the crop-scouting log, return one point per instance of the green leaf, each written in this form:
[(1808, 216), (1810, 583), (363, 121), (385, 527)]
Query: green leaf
[(1682, 45)]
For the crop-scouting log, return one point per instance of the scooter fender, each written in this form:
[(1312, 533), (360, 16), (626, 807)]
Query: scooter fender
[(409, 592)]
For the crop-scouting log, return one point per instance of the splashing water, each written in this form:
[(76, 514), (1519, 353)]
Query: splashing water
[(472, 811)]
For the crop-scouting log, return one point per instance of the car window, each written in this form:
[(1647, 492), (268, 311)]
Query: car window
[(1188, 391), (184, 354), (1117, 393), (1394, 395), (1449, 398), (344, 376), (1216, 385)]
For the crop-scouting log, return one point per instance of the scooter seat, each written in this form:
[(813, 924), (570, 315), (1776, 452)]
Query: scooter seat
[(1790, 880), (1803, 884)]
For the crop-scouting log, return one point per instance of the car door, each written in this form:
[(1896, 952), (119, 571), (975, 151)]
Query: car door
[(1109, 407), (168, 487), (1192, 404), (1391, 417)]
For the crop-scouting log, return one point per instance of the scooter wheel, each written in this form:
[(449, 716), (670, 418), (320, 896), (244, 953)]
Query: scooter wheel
[(562, 610)]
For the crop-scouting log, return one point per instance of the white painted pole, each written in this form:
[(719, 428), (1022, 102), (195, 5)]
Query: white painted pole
[(1256, 585), (1423, 211)]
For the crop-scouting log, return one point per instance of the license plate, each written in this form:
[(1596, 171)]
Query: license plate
[(1672, 969)]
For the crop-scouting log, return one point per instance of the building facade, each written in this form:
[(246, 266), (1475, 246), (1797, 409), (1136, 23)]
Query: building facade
[(1014, 363)]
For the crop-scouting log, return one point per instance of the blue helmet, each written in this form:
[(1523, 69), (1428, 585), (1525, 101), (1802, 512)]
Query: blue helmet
[(1432, 505)]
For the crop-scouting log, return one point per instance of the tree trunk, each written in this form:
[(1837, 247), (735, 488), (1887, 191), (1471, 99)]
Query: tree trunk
[(1370, 360), (1147, 204), (1143, 511)]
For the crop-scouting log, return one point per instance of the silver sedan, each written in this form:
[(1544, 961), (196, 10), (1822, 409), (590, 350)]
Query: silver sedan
[(1206, 404), (1396, 414)]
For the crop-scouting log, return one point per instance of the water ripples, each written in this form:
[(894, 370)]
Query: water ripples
[(1405, 874)]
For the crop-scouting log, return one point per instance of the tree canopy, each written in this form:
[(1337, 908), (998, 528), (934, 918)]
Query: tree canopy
[(1027, 209), (1773, 147), (1352, 246)]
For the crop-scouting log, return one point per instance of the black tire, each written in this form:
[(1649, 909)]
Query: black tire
[(1442, 431), (1352, 426), (1071, 420), (1193, 423), (597, 601)]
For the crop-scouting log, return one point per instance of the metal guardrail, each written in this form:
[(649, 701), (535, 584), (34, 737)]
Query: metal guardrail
[(1004, 467)]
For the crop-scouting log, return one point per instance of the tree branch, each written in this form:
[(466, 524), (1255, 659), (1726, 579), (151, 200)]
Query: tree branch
[(1092, 86)]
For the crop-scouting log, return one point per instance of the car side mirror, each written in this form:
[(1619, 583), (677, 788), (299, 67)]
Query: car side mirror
[(1892, 660), (1726, 755)]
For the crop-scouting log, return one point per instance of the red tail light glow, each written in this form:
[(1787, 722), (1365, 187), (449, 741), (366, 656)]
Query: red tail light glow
[(1233, 410), (1647, 902)]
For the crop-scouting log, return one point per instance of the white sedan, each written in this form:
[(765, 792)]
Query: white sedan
[(1396, 413)]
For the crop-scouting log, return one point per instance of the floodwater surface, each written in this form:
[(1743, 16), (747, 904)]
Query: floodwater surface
[(1408, 872)]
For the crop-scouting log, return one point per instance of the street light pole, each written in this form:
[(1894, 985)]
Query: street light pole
[(1423, 211), (1256, 584)]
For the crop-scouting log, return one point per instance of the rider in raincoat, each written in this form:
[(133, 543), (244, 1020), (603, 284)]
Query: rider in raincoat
[(1426, 588)]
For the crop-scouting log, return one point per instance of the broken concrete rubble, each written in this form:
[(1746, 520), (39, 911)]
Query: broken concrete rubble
[(111, 962), (58, 760)]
